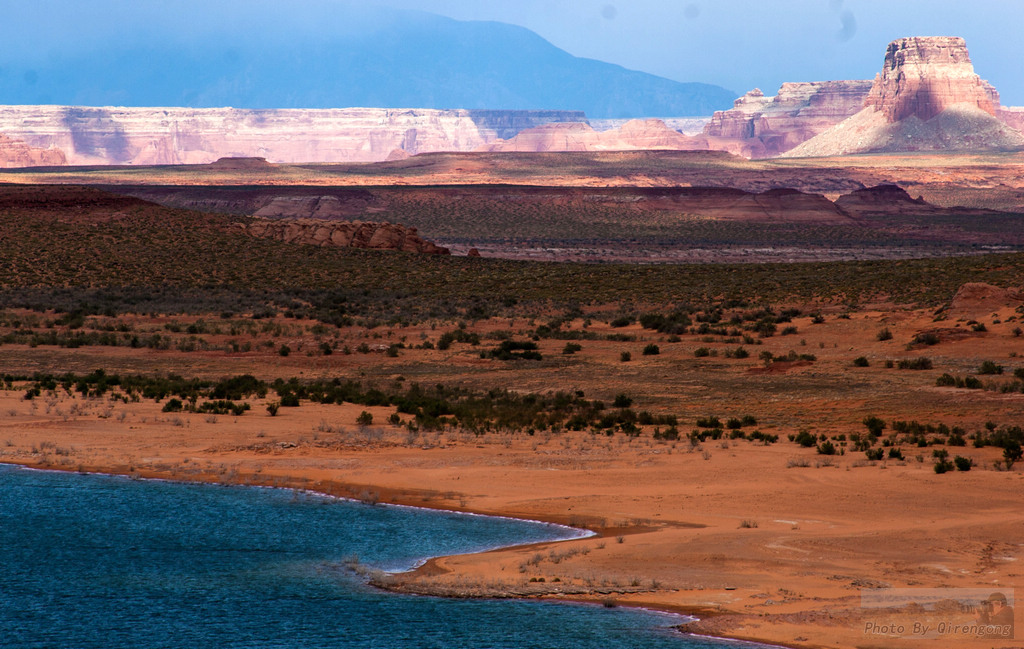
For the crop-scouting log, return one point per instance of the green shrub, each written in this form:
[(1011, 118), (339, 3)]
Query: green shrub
[(571, 348), (861, 361), (702, 352), (827, 448), (884, 334), (364, 419), (651, 350), (284, 350), (622, 401), (962, 463), (709, 422), (806, 439), (990, 367), (874, 424), (173, 405), (920, 363)]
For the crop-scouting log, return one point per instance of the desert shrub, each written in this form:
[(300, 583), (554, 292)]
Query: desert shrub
[(364, 419), (766, 438), (926, 338), (173, 405), (968, 382), (861, 361), (223, 407), (669, 434), (826, 448), (571, 348), (702, 352), (990, 367), (895, 453), (875, 425), (1012, 453), (651, 350), (709, 422), (962, 463), (884, 335), (284, 350), (805, 438), (875, 454), (733, 424), (920, 363), (788, 331), (673, 323), (739, 352), (942, 463), (273, 407), (514, 350), (625, 357), (946, 381), (622, 321), (622, 401)]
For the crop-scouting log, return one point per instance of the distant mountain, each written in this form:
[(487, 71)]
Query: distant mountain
[(348, 56)]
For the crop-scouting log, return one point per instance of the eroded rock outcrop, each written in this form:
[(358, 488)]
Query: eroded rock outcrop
[(343, 234), (764, 126), (926, 98), (202, 135), (15, 153)]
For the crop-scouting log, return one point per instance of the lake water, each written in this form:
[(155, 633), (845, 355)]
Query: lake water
[(108, 562)]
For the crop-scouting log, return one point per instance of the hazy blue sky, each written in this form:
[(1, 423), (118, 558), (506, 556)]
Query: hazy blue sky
[(738, 44)]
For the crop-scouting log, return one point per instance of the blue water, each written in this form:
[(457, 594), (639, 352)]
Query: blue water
[(107, 562)]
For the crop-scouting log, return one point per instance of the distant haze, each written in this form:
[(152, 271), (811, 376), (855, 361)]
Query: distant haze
[(313, 53), (743, 44)]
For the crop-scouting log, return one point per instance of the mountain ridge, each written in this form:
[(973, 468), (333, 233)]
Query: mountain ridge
[(393, 59)]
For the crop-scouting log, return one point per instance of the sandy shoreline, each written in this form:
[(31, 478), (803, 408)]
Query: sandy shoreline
[(425, 565)]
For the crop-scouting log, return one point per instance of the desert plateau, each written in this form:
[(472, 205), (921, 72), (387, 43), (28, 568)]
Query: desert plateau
[(770, 360)]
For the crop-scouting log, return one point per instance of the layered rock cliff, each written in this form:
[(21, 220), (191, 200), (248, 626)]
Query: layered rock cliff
[(198, 136), (923, 76), (926, 98), (343, 234)]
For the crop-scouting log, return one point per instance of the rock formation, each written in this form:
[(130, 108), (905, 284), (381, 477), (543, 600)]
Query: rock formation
[(977, 299), (761, 127), (202, 135), (343, 234), (923, 76), (14, 153), (241, 164), (927, 98)]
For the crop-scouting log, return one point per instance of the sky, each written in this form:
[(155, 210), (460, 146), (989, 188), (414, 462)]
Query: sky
[(743, 44), (736, 44)]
